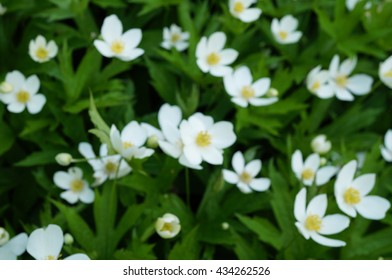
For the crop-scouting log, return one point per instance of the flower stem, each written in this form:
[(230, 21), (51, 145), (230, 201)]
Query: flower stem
[(187, 188)]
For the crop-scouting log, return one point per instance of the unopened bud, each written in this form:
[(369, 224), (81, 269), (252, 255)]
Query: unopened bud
[(4, 236), (68, 239), (323, 161), (225, 226), (6, 87), (152, 142), (64, 159), (272, 92)]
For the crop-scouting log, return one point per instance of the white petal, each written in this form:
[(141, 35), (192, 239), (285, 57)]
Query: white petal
[(324, 174), (288, 23), (297, 162), (263, 101), (228, 56), (87, 195), (132, 38), (16, 107), (317, 206), (36, 103), (222, 134), (216, 42), (18, 244), (346, 208), (242, 76), (44, 242), (345, 177), (230, 176), (388, 139), (326, 241), (312, 162), (344, 94), (220, 70), (62, 180), (364, 183), (212, 155), (169, 113), (103, 48), (250, 15), (360, 84), (170, 149), (386, 154), (373, 207), (78, 257), (334, 65), (32, 84), (260, 184), (261, 86), (134, 133), (300, 205), (238, 162), (70, 196), (201, 49), (131, 54), (334, 224), (111, 28), (302, 230), (230, 85), (253, 167), (347, 66), (192, 155), (242, 102), (244, 188)]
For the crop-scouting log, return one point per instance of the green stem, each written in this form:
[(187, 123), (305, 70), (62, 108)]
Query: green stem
[(187, 187)]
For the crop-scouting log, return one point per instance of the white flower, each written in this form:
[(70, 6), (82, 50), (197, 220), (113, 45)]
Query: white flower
[(129, 142), (312, 222), (64, 159), (75, 187), (385, 72), (10, 249), (345, 86), (106, 166), (243, 92), (350, 4), (284, 30), (3, 9), (317, 83), (117, 44), (240, 9), (352, 194), (205, 140), (41, 51), (168, 226), (46, 244), (386, 150), (244, 175), (24, 93), (212, 58), (175, 38), (309, 172), (68, 239), (320, 144)]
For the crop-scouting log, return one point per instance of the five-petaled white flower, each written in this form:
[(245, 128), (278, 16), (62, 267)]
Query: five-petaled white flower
[(244, 175), (317, 83), (75, 187), (129, 142), (212, 58), (345, 86), (106, 166), (243, 92), (117, 44), (320, 144), (10, 249), (312, 222), (386, 150), (285, 30), (352, 194), (173, 37), (309, 172), (42, 51), (46, 244), (168, 226), (205, 140), (240, 9), (23, 94), (385, 72)]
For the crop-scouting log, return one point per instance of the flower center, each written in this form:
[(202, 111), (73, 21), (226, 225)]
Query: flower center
[(51, 258), (117, 47), (307, 174), (388, 74), (313, 223), (245, 177), (341, 80), (77, 185), (175, 37), (127, 145), (315, 86), (167, 227), (213, 58), (238, 7), (283, 35), (110, 167), (352, 196), (23, 96), (247, 92), (42, 53), (203, 139), (4, 236)]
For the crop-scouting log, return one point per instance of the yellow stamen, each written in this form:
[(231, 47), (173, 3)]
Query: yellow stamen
[(203, 139), (51, 258), (127, 145), (238, 7), (283, 35), (388, 74), (167, 227), (23, 96), (247, 92), (42, 53), (352, 196), (245, 177), (307, 174), (313, 223), (77, 185), (117, 47), (213, 58), (316, 85), (175, 37), (110, 167), (341, 80)]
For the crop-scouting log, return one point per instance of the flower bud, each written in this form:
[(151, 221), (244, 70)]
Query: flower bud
[(68, 239), (168, 226), (6, 87), (64, 159), (320, 144), (4, 236), (272, 92), (152, 142), (323, 161), (225, 226)]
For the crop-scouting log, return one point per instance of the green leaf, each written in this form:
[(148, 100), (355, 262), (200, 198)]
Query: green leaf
[(128, 220), (39, 158), (7, 137), (187, 249), (96, 118)]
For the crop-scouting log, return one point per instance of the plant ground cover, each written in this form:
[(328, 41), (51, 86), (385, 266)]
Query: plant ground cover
[(153, 129)]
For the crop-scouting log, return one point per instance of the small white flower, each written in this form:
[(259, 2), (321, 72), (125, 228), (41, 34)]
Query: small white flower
[(205, 140), (317, 83), (345, 86), (64, 159), (312, 222), (168, 226), (240, 9), (3, 9), (42, 51), (75, 187), (243, 92), (173, 37), (106, 166), (46, 244), (385, 72), (350, 4), (285, 30), (10, 249), (129, 142), (24, 93), (68, 239), (386, 150), (320, 144), (309, 172), (212, 58), (244, 175), (352, 194), (115, 43)]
